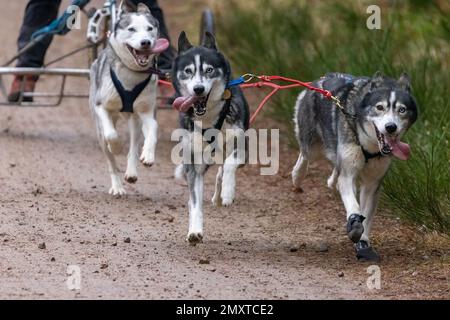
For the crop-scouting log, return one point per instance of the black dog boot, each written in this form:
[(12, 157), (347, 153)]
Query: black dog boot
[(355, 227), (364, 252)]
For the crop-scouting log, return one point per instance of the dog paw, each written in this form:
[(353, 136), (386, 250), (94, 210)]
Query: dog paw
[(130, 178), (117, 191), (227, 195), (297, 190), (296, 181), (227, 201), (147, 160), (355, 227), (194, 237), (365, 252)]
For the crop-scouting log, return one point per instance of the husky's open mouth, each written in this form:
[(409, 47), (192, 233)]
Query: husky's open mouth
[(382, 145), (200, 106), (198, 103), (392, 145), (142, 57)]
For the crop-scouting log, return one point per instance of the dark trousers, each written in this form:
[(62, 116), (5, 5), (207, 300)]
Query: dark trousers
[(39, 13)]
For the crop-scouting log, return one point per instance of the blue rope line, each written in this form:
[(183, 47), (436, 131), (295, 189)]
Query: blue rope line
[(59, 26)]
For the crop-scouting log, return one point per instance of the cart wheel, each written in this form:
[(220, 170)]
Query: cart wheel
[(207, 24)]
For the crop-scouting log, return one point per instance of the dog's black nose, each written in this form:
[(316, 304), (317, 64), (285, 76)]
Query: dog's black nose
[(145, 43), (391, 127), (199, 89)]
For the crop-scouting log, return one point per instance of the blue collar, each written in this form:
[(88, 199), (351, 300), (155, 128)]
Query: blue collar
[(235, 82)]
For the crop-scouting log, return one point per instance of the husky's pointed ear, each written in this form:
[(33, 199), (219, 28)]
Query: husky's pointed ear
[(183, 42), (404, 82), (126, 7), (377, 80), (142, 8), (209, 41)]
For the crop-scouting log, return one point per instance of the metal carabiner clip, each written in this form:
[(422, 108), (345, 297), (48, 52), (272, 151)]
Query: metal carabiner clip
[(337, 102), (248, 77)]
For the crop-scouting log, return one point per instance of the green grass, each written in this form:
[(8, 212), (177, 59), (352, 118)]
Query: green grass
[(306, 39)]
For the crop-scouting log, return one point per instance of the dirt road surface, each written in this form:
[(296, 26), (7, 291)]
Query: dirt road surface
[(272, 243)]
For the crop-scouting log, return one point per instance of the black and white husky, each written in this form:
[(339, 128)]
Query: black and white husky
[(200, 77), (359, 140), (121, 84)]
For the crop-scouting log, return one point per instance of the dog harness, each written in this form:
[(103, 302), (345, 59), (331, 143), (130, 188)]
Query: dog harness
[(219, 123), (128, 97), (368, 155)]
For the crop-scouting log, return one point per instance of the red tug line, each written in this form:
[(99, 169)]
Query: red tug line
[(268, 81)]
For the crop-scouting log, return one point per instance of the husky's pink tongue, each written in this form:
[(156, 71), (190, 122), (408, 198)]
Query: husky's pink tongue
[(160, 45), (400, 149), (184, 103)]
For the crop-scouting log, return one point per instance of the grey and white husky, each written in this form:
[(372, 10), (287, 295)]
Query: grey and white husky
[(200, 77), (121, 84), (360, 141)]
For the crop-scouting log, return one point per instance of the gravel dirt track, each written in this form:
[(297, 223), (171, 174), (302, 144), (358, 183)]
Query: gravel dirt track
[(272, 243)]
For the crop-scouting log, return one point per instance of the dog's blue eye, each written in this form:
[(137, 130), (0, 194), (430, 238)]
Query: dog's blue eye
[(209, 70), (132, 29), (188, 71), (402, 110)]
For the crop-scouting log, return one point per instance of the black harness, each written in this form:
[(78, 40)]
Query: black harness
[(368, 155), (128, 97), (219, 123)]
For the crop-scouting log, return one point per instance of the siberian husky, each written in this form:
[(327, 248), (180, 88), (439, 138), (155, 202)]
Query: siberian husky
[(360, 141), (122, 83), (200, 77)]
